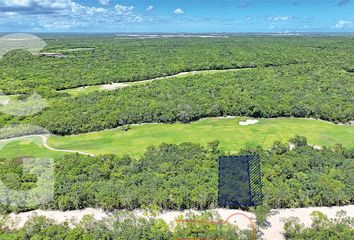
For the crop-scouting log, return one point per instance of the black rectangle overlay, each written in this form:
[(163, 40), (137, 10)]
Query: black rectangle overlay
[(239, 182)]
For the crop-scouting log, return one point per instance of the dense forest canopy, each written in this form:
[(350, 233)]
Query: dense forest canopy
[(287, 91), (286, 77), (94, 60), (341, 228), (185, 176), (123, 226), (289, 77), (276, 77)]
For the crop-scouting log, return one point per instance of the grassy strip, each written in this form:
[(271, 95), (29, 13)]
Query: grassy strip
[(231, 135)]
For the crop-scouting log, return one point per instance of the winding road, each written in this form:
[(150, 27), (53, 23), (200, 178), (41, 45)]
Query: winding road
[(46, 145), (118, 85)]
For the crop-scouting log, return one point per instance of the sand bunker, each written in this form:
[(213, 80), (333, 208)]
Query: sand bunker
[(248, 122), (226, 117), (114, 86), (4, 101)]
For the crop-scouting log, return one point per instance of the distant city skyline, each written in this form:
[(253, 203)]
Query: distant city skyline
[(193, 16)]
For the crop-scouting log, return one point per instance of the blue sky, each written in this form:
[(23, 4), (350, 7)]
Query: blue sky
[(176, 16)]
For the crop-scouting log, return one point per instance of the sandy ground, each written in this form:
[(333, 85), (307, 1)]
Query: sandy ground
[(239, 220), (4, 101), (18, 220), (81, 88), (276, 220), (114, 86), (273, 232), (248, 122), (227, 117)]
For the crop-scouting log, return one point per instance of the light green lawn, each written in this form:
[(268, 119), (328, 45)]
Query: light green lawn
[(231, 135), (27, 147), (4, 97)]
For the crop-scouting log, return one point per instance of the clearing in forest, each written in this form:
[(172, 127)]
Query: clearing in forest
[(228, 131)]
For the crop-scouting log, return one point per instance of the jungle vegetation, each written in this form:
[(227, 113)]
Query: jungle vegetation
[(277, 77), (342, 227), (125, 226), (94, 60), (185, 176), (271, 92), (286, 77)]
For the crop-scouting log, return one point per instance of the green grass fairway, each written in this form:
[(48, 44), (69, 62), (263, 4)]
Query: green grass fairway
[(231, 135), (26, 147)]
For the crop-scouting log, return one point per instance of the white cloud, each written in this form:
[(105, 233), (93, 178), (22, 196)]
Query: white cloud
[(11, 14), (149, 8), (31, 5), (81, 10), (343, 24), (27, 15), (135, 19), (104, 2), (279, 18), (178, 11), (47, 7), (12, 3), (123, 10)]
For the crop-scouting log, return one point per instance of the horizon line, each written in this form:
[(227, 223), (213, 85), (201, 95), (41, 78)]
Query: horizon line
[(181, 32)]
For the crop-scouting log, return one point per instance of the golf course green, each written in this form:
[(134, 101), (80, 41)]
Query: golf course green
[(231, 135), (26, 147)]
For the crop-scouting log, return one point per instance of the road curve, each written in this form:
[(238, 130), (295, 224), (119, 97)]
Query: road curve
[(119, 85), (46, 145)]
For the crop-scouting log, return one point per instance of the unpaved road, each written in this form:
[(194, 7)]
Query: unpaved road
[(119, 85), (273, 232), (45, 144)]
